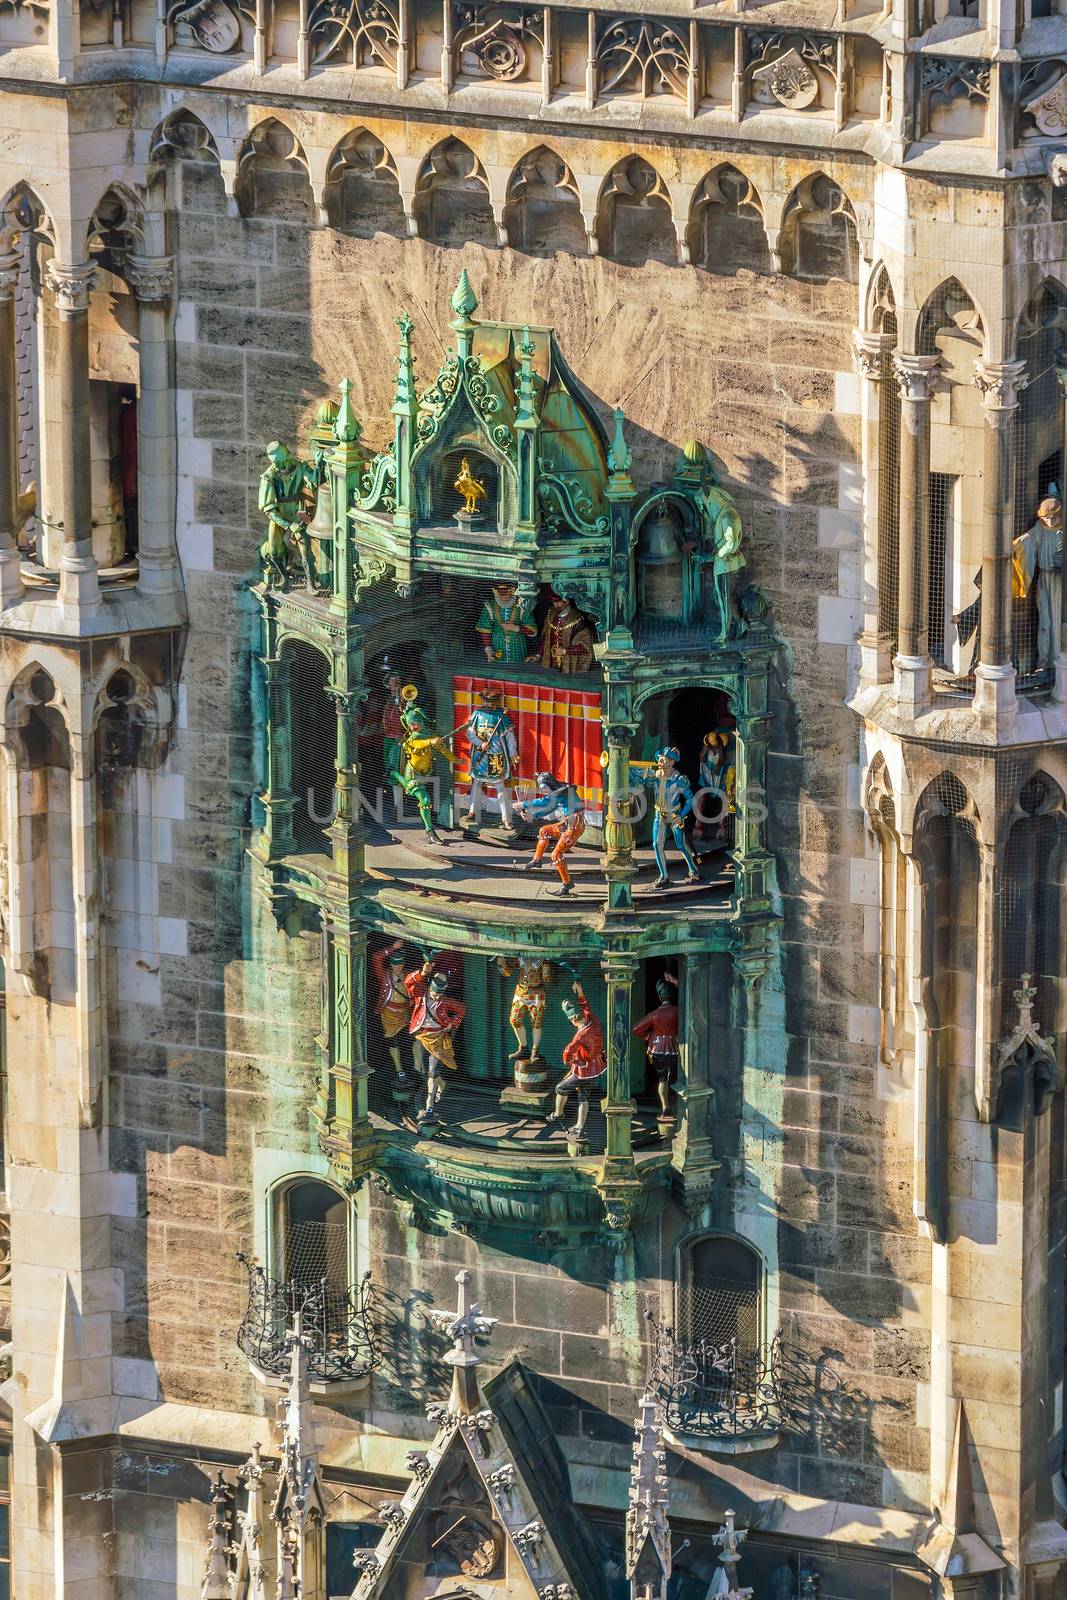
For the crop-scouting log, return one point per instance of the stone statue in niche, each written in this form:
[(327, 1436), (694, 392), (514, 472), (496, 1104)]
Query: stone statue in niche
[(1037, 561), (212, 24), (287, 492)]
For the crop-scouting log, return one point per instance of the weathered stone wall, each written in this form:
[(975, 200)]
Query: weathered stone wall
[(220, 1063)]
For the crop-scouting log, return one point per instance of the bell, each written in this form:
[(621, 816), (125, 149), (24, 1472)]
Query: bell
[(659, 540), (659, 565)]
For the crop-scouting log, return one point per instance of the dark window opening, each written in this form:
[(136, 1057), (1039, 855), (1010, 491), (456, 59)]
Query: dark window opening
[(720, 1294), (315, 1236)]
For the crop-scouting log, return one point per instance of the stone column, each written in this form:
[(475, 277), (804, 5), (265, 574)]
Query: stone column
[(277, 799), (1060, 691), (912, 671), (79, 588), (344, 830), (10, 574), (152, 281), (619, 1183), (999, 383), (870, 351)]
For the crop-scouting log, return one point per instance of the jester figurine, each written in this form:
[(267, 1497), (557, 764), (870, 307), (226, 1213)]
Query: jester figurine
[(558, 808), (435, 1019), (419, 748), (393, 1006), (286, 497), (494, 757), (584, 1058), (659, 1030), (528, 1000), (566, 637), (672, 798), (504, 627)]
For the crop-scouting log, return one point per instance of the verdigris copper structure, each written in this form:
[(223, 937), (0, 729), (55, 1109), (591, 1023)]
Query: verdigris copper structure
[(557, 625)]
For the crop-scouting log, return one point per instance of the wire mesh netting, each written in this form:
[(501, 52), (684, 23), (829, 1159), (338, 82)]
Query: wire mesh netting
[(1038, 448)]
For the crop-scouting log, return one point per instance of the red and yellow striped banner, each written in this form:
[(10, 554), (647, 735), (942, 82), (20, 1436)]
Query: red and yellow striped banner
[(557, 730)]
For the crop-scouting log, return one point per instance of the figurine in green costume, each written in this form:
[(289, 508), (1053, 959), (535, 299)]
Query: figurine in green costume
[(286, 496), (504, 626)]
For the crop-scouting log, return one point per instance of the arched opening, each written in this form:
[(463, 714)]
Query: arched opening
[(45, 839), (272, 176), (24, 229), (949, 326), (312, 1237), (452, 205), (183, 145), (543, 213), (895, 1030), (818, 240), (726, 230), (362, 194), (698, 722), (882, 319), (1035, 867), (720, 1294), (313, 735), (946, 844), (634, 222), (1038, 478)]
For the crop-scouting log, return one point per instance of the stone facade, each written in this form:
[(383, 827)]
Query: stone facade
[(807, 290)]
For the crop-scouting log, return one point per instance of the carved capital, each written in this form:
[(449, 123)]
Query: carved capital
[(71, 286), (869, 351), (917, 375), (1000, 383), (151, 277), (9, 276)]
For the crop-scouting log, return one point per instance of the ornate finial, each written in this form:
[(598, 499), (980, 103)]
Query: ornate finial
[(463, 1325), (346, 427), (729, 1540), (1024, 997), (326, 415), (525, 413), (464, 300), (693, 450), (216, 1583), (648, 1532), (619, 458), (405, 400)]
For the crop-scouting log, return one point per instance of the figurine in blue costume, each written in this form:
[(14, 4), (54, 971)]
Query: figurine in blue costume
[(672, 798), (494, 757)]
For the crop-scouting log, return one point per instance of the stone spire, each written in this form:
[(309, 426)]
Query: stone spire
[(405, 400), (346, 425), (216, 1584), (299, 1510), (648, 1533), (462, 1326)]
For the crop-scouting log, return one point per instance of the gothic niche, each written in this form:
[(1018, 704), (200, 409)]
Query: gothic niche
[(726, 229), (362, 193), (272, 176), (543, 213), (452, 198), (634, 224), (185, 145), (818, 240)]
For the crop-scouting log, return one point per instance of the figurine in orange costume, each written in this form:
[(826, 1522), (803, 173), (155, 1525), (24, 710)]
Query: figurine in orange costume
[(566, 637), (583, 1057), (434, 1020), (559, 808)]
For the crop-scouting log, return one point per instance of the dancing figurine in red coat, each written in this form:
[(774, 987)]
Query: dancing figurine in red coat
[(584, 1059), (435, 1018)]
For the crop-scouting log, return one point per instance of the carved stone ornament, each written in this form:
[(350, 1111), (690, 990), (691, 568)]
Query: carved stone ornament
[(151, 277), (212, 24), (71, 286), (1049, 109), (1000, 382), (789, 80), (9, 276)]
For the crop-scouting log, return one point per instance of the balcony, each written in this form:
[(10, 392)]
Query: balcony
[(724, 1398), (337, 1323)]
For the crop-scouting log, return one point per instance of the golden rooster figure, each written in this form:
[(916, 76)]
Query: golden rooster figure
[(469, 487)]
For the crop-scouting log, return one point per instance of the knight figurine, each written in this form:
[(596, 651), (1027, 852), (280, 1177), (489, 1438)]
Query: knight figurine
[(494, 753)]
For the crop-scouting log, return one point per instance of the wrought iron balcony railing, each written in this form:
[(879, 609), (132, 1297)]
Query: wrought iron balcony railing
[(338, 1324), (721, 1391)]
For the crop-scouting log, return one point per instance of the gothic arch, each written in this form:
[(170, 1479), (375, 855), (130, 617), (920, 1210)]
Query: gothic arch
[(635, 216), (22, 211), (726, 224), (273, 178), (818, 239), (880, 308), (362, 190), (949, 310), (543, 212), (116, 225), (452, 205), (182, 136)]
